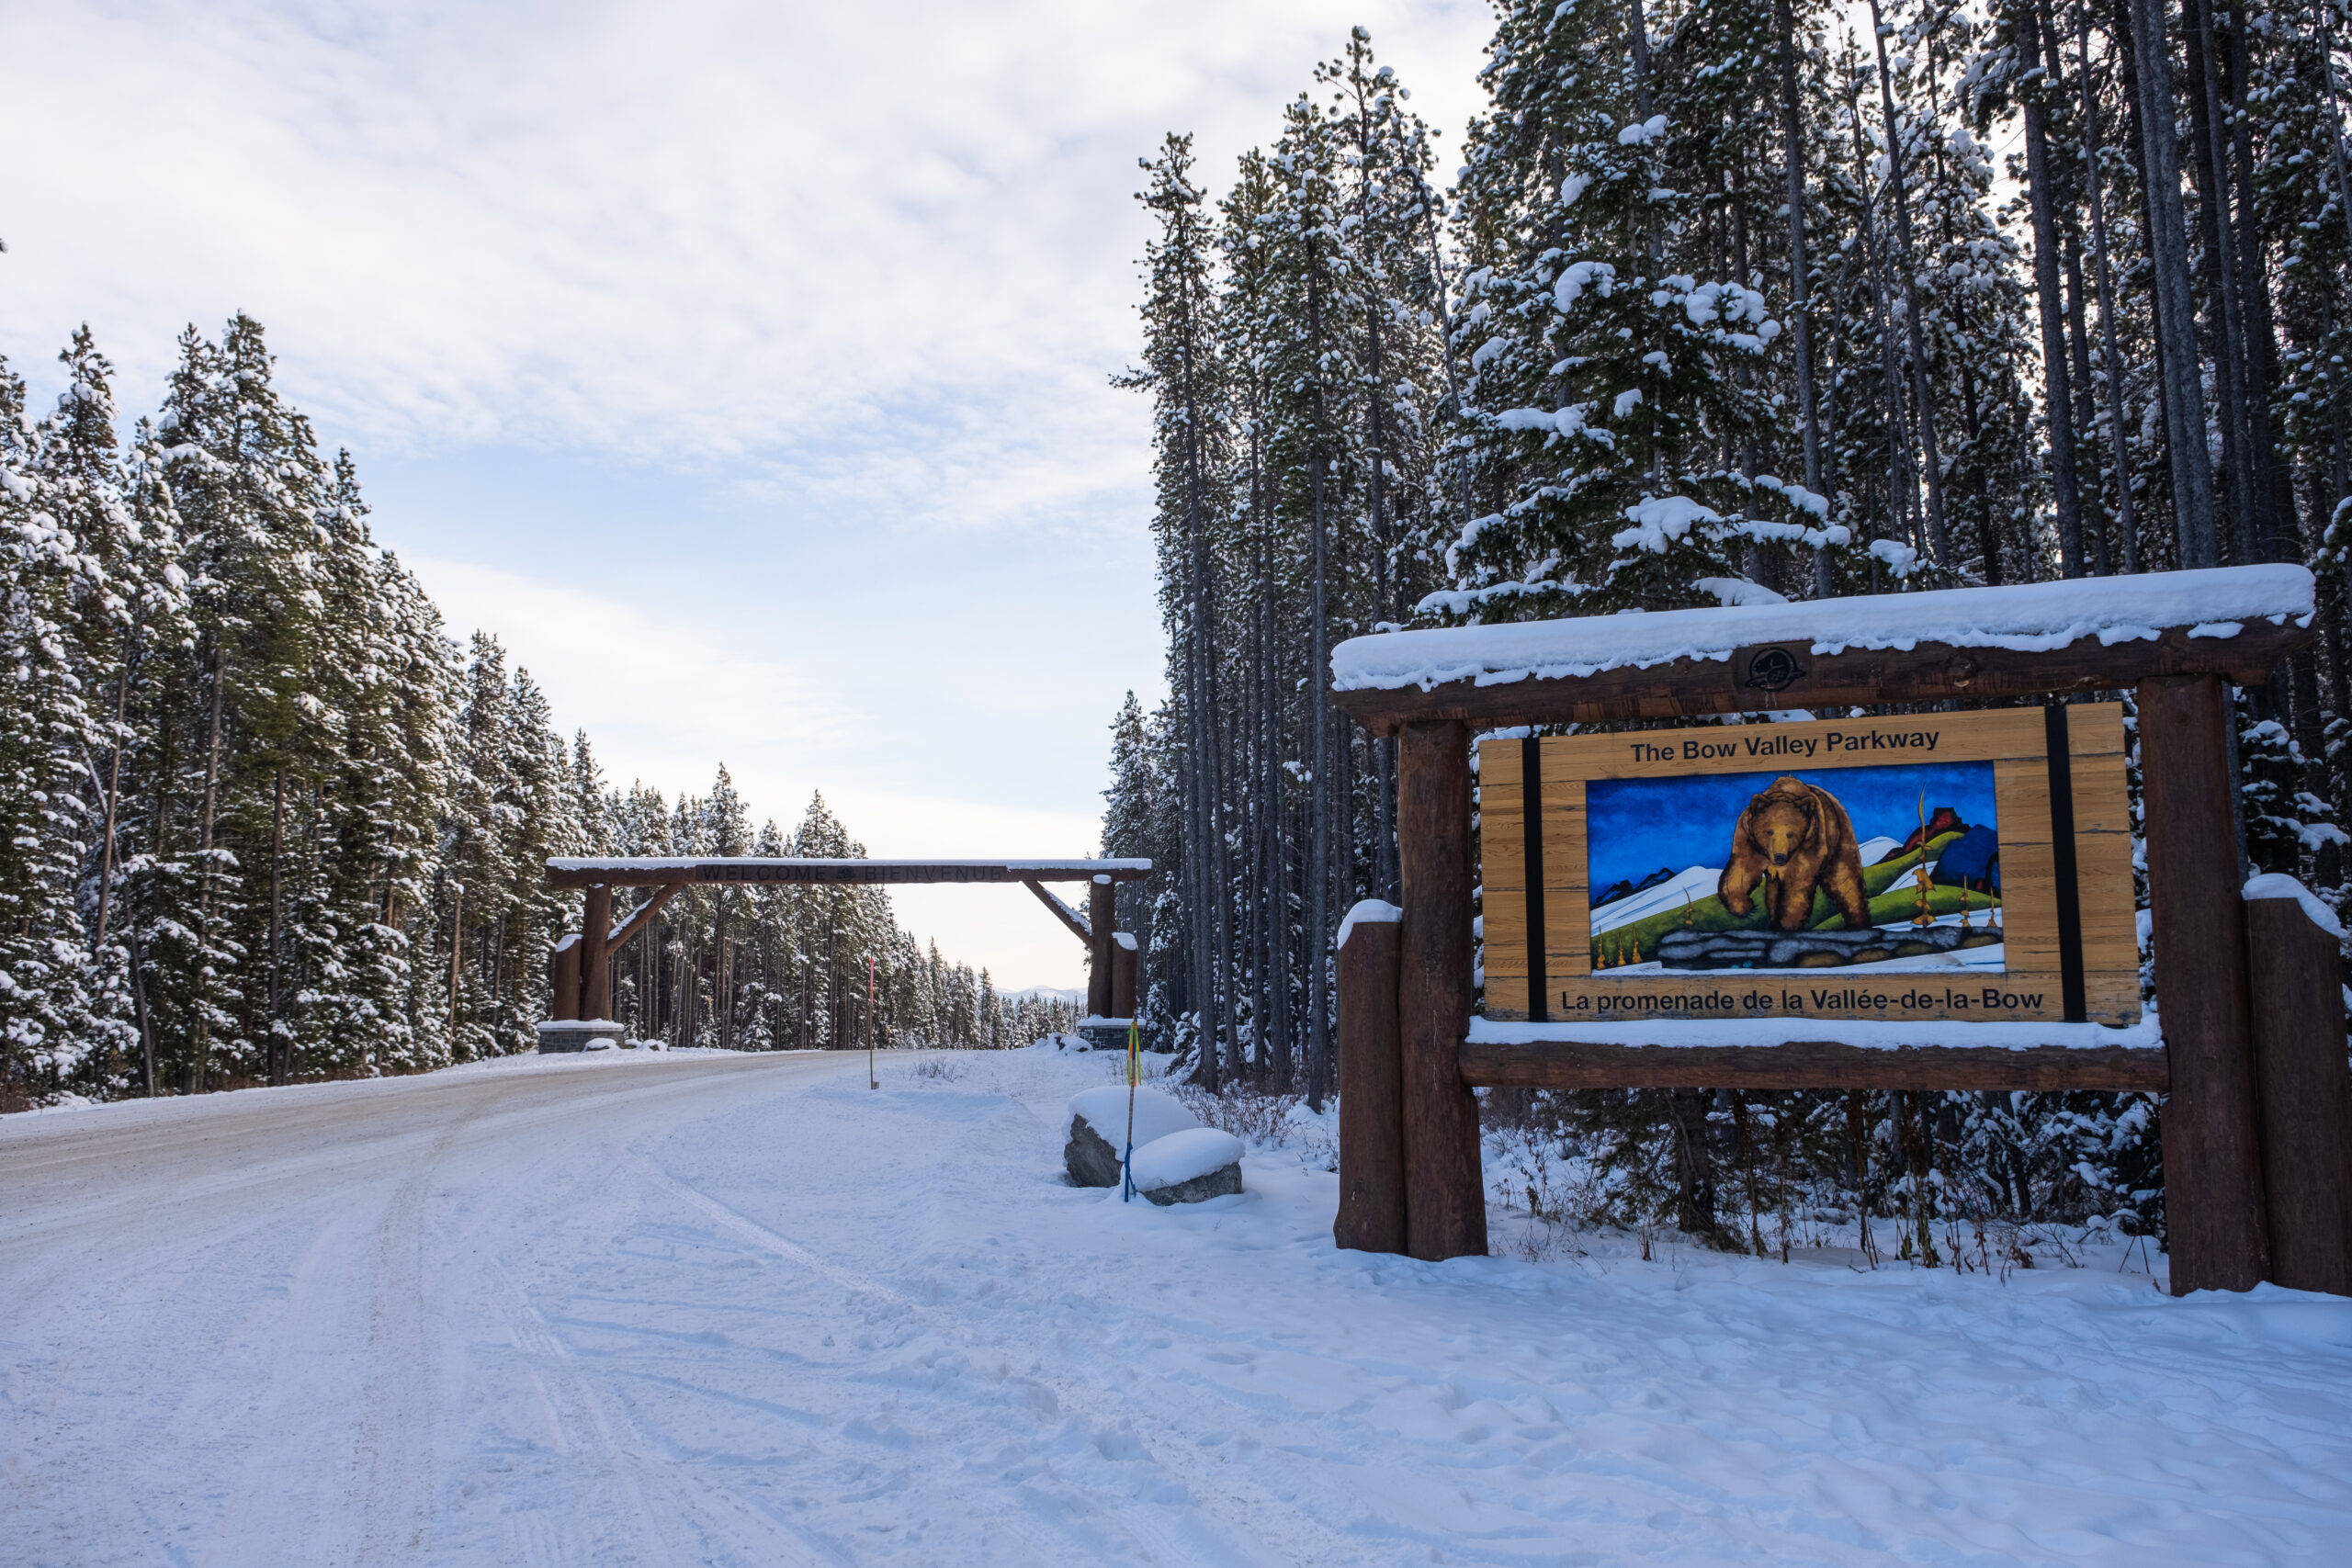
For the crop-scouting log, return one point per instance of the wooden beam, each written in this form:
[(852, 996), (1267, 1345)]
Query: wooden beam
[(1445, 1189), (1062, 912), (640, 917), (2306, 1096), (632, 872), (1811, 1065), (2214, 1226), (1372, 1090), (1928, 673)]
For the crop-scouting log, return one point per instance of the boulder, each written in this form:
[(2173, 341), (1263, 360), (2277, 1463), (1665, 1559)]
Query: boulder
[(1089, 1157), (1188, 1167), (1098, 1130)]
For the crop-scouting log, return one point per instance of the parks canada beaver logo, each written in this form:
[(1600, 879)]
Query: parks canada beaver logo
[(1774, 669)]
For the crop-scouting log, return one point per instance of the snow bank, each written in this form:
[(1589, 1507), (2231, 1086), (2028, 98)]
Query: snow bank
[(2278, 884), (1158, 1114), (2034, 618), (1182, 1157), (1024, 1371), (1869, 1034), (1368, 911)]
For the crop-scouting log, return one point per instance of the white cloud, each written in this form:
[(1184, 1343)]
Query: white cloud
[(666, 703), (864, 269), (703, 229)]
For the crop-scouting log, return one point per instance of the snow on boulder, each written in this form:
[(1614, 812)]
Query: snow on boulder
[(1098, 1130), (1185, 1168)]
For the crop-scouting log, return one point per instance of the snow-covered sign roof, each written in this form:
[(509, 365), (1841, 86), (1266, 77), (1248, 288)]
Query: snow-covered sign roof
[(2229, 620), (640, 870), (2037, 617)]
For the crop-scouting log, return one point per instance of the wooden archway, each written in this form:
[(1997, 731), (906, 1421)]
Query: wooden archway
[(580, 970)]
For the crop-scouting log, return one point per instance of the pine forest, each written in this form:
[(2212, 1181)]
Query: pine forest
[(266, 822), (1724, 302)]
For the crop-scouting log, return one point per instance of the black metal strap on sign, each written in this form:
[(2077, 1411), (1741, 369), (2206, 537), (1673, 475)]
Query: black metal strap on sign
[(1531, 775), (2061, 855)]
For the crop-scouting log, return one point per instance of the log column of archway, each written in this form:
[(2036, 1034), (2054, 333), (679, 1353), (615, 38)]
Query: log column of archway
[(596, 962), (1102, 914)]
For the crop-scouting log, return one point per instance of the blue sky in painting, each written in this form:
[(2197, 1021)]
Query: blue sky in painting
[(1637, 826)]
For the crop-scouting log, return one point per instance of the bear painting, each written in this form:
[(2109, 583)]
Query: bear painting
[(1819, 857), (1792, 839)]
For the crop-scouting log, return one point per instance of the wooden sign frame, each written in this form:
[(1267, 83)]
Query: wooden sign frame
[(2069, 932), (2176, 641)]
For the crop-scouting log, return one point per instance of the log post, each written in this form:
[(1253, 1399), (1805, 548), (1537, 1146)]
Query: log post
[(596, 965), (2305, 1095), (1445, 1196), (1122, 975), (1102, 914), (563, 977), (2213, 1204), (1371, 1092)]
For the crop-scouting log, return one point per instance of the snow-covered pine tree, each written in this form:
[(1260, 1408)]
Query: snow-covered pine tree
[(46, 731), (79, 474), (1616, 401)]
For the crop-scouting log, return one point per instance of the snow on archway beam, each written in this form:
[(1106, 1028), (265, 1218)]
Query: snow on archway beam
[(640, 870), (2088, 634)]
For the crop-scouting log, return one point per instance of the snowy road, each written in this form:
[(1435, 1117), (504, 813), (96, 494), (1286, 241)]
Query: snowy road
[(690, 1310)]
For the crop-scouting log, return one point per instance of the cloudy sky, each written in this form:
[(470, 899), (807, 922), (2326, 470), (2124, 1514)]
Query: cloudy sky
[(743, 368)]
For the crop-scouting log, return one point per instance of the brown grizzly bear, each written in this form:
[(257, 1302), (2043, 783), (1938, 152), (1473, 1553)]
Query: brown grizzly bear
[(1794, 838)]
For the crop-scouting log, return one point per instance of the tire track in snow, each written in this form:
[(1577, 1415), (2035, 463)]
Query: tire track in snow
[(1106, 1412), (584, 1426)]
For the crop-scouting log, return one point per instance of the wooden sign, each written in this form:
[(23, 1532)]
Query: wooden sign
[(1944, 866)]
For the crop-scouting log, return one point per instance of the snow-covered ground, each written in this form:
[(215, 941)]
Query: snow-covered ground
[(650, 1310)]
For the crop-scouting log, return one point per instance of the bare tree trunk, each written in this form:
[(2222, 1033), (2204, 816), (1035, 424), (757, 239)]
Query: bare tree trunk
[(2126, 526), (1900, 471), (1318, 679), (2058, 400), (2192, 476), (199, 1066), (1922, 390), (2210, 173), (114, 795), (457, 951), (2272, 486), (276, 883), (1800, 282)]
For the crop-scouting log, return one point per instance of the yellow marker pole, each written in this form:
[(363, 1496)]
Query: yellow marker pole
[(1134, 1076)]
